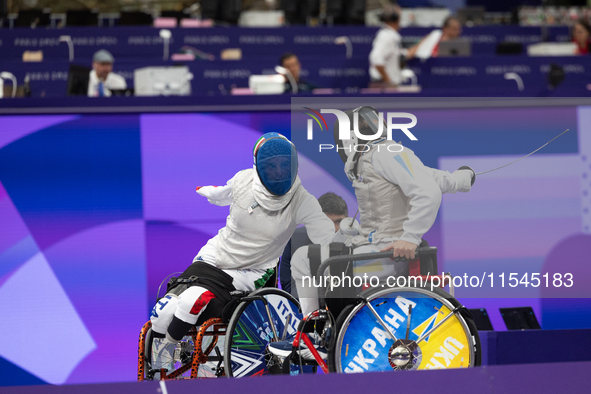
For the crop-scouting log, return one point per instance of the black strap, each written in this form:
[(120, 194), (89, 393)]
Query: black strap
[(338, 248), (342, 296), (335, 249), (207, 276), (428, 262), (203, 270), (314, 256)]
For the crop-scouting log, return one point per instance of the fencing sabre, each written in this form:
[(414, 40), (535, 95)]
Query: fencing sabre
[(353, 221), (494, 169)]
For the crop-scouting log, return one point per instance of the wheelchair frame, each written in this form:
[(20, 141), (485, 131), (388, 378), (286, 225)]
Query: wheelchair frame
[(200, 356)]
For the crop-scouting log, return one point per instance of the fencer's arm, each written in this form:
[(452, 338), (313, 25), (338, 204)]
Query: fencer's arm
[(416, 183), (458, 181), (217, 195), (319, 227)]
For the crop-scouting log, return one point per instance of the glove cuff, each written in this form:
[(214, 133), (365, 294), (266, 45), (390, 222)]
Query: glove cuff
[(473, 173)]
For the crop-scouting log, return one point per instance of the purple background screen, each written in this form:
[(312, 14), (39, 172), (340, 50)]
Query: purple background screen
[(95, 211)]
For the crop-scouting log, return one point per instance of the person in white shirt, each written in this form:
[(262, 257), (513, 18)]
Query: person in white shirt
[(102, 78), (386, 53)]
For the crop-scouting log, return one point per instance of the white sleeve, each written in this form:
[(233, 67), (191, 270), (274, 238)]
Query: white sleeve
[(381, 49), (217, 195), (92, 82), (416, 182), (118, 82), (426, 46), (319, 227), (460, 180), (123, 83)]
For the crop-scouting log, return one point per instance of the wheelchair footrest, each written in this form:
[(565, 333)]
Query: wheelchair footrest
[(295, 359)]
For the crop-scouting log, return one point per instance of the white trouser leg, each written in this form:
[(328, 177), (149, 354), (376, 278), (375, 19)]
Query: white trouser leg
[(185, 308), (303, 278), (162, 349), (163, 312), (191, 304)]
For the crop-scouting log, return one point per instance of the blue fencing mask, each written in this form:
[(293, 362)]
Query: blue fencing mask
[(276, 162)]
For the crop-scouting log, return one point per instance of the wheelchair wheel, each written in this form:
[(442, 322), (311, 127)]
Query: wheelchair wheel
[(186, 362), (439, 335), (250, 331)]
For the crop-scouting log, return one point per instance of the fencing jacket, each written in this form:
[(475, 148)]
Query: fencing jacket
[(398, 196), (260, 224)]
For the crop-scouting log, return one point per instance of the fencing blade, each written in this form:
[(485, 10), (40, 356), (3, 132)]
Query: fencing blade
[(498, 168)]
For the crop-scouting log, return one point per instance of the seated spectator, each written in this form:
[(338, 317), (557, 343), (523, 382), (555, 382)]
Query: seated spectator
[(102, 79), (581, 33), (386, 52), (291, 62), (429, 45), (335, 208)]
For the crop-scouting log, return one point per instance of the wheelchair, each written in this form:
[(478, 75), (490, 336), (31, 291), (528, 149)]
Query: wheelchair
[(234, 344), (385, 328)]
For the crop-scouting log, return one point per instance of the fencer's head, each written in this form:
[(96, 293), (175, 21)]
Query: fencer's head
[(366, 120), (276, 163), (334, 207)]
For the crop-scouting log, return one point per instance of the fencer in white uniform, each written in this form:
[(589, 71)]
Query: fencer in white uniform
[(267, 203), (398, 198)]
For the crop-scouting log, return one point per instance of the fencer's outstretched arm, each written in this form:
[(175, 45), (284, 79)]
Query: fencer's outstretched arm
[(458, 181), (416, 182), (218, 195), (319, 227)]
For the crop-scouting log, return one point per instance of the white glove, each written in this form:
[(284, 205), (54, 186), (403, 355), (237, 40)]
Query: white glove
[(347, 229), (473, 175)]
